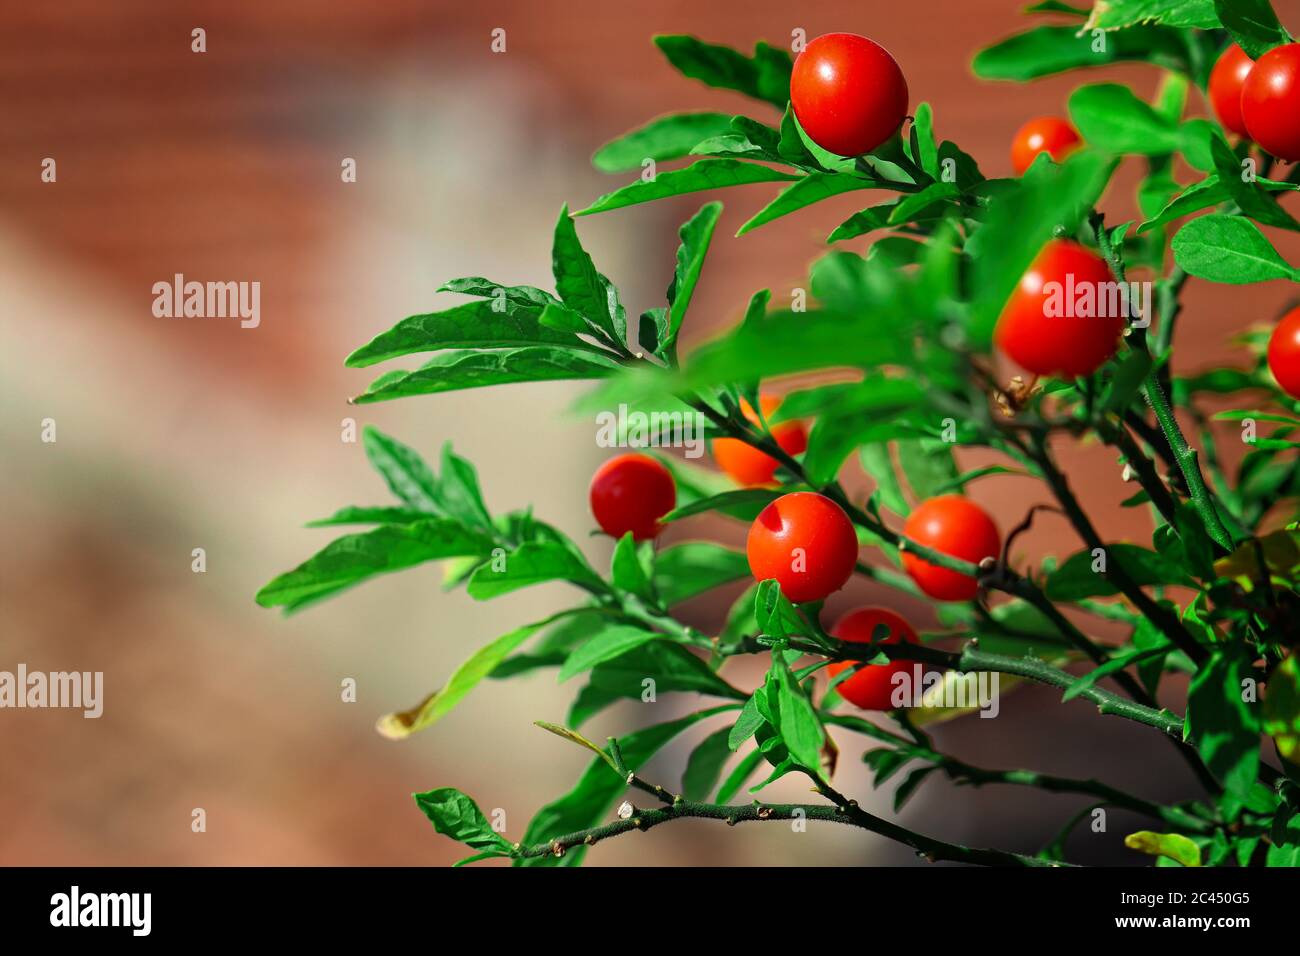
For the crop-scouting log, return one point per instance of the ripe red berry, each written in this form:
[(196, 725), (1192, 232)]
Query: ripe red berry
[(1226, 80), (631, 493), (872, 686), (848, 93), (1270, 101), (746, 464), (1043, 134), (1065, 318), (1284, 353), (952, 525), (806, 542)]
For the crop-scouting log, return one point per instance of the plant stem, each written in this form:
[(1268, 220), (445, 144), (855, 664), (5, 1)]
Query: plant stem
[(850, 814), (961, 772), (1187, 462)]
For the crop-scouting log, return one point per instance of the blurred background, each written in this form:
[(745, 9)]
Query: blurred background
[(175, 434)]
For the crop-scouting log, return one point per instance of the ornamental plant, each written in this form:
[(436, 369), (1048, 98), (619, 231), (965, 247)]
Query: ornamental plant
[(952, 311)]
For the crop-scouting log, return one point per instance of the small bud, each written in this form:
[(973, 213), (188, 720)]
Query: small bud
[(988, 563), (625, 810)]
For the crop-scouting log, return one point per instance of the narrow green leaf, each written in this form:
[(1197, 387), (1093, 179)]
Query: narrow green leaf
[(667, 137), (455, 370), (696, 234), (685, 570), (764, 76), (535, 562), (699, 176), (455, 815), (704, 766), (1173, 846), (580, 285), (1253, 25), (811, 189), (355, 557)]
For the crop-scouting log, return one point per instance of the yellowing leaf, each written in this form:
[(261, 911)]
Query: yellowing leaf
[(1175, 846)]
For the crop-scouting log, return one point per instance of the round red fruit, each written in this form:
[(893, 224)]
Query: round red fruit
[(1066, 316), (806, 542), (1284, 353), (848, 93), (631, 493), (872, 687), (746, 464), (1270, 101), (1044, 134), (1226, 80), (952, 525)]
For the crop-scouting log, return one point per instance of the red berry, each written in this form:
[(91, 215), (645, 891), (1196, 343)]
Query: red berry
[(746, 464), (1065, 317), (1284, 353), (806, 542), (952, 525), (1226, 80), (631, 493), (1044, 134), (872, 686), (1270, 101), (848, 93)]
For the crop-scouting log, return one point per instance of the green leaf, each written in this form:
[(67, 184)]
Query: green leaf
[(861, 223), (356, 515), (667, 137), (1173, 846), (606, 645), (523, 297), (1110, 117), (672, 667), (1112, 666), (926, 153), (353, 558), (437, 705), (459, 495), (685, 570), (1250, 196), (764, 76), (580, 285), (534, 562), (1253, 25), (1200, 195), (743, 503), (775, 614), (1043, 51), (740, 775), (455, 815), (696, 235), (751, 717), (1115, 14), (812, 188), (1126, 382), (626, 570), (1075, 579), (699, 176), (878, 463), (928, 465), (797, 724), (1229, 249), (704, 766), (1021, 222), (1223, 727), (590, 800), (455, 370), (402, 468), (473, 325), (924, 204)]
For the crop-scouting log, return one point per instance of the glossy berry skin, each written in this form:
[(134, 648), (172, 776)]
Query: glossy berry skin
[(1046, 328), (806, 542), (848, 93), (746, 464), (631, 493), (953, 525), (872, 686), (1226, 80), (1044, 134), (1270, 102), (1284, 353)]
